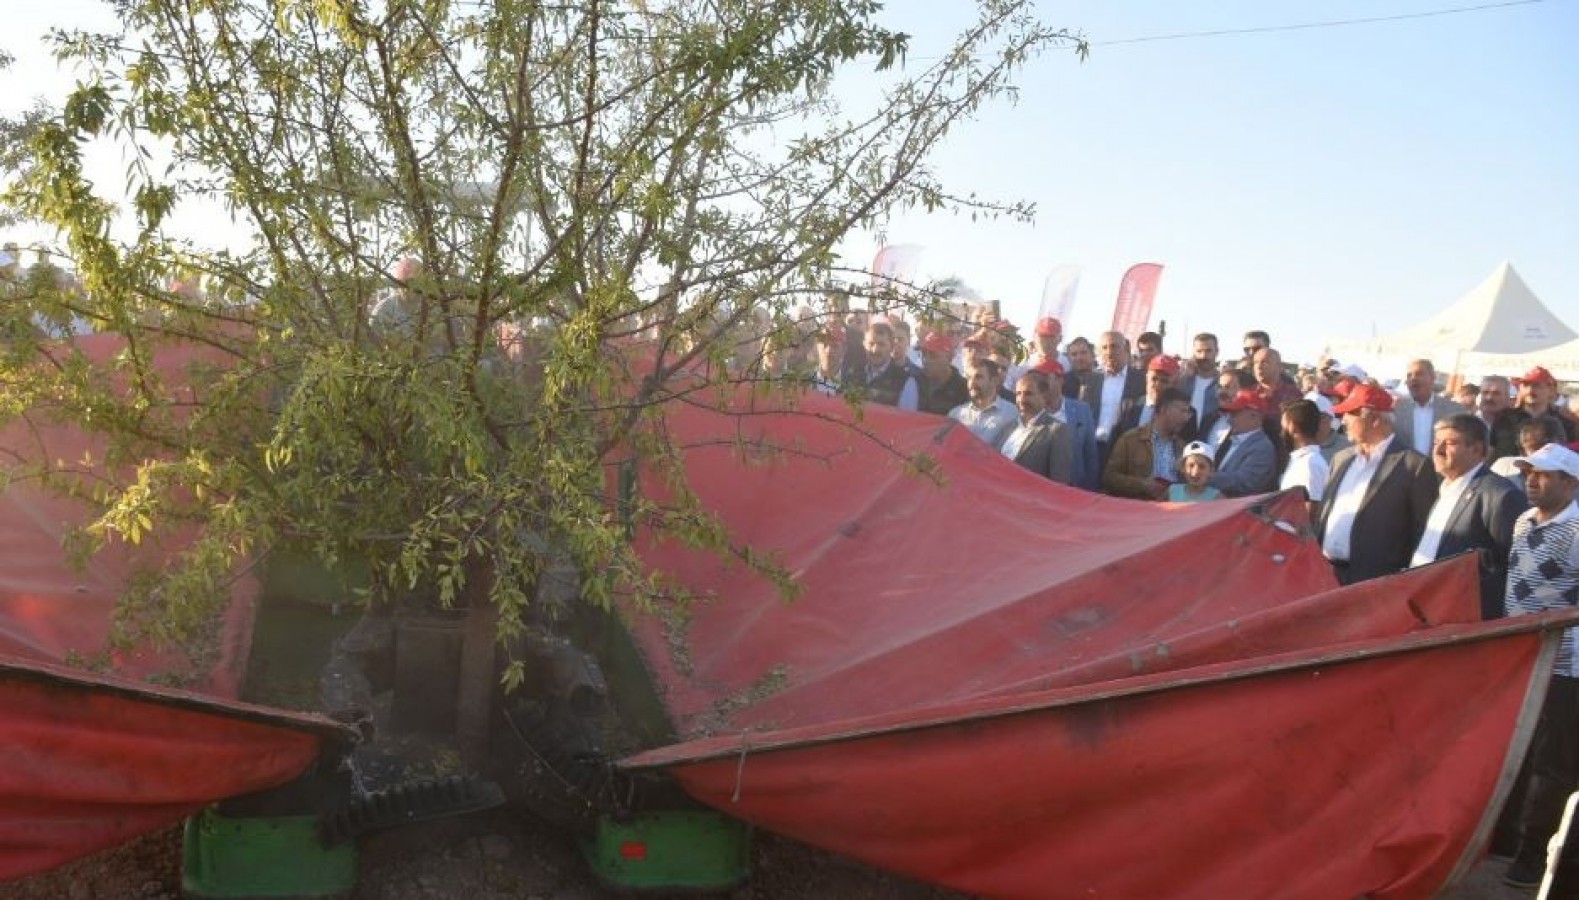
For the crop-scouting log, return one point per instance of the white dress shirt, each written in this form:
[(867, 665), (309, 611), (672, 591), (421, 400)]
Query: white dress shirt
[(1447, 497), (1423, 417), (1348, 496), (1112, 403)]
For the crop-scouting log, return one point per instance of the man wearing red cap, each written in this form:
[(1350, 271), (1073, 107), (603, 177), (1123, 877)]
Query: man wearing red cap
[(1246, 460), (941, 386), (1162, 373), (1049, 334), (1145, 460), (1082, 426), (1538, 397), (1379, 495), (830, 358)]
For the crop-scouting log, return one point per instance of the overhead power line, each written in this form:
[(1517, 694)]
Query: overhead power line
[(1333, 23)]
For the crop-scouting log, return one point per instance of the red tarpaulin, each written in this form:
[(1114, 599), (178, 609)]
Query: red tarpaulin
[(93, 761), (1019, 689)]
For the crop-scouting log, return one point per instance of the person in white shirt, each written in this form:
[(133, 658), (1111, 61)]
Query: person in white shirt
[(987, 415), (1306, 468)]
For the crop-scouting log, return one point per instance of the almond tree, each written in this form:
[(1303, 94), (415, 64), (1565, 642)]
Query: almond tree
[(490, 243)]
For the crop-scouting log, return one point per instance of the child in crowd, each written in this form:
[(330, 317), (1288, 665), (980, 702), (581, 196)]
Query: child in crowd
[(1196, 464)]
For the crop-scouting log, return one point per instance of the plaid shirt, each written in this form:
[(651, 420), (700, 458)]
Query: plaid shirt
[(1164, 458)]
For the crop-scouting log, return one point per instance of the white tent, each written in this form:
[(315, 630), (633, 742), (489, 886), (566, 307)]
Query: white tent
[(1562, 361), (1488, 330)]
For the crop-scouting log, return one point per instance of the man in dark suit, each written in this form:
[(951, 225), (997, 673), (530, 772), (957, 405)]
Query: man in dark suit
[(1110, 390), (1040, 442), (1380, 493), (1201, 384), (1475, 508)]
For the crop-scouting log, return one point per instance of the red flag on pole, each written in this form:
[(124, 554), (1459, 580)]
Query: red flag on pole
[(1136, 294)]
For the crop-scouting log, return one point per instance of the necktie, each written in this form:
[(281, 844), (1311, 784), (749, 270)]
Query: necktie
[(1222, 452)]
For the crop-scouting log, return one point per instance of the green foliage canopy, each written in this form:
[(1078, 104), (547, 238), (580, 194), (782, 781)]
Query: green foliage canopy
[(575, 179)]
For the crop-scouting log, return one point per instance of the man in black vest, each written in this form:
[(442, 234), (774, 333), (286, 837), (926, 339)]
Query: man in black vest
[(942, 386), (886, 382)]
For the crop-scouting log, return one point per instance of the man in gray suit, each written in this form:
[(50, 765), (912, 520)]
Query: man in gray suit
[(1246, 460), (1418, 412), (1082, 425), (1475, 508), (1378, 496), (1040, 442)]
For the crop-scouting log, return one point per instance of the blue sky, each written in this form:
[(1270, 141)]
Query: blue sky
[(1316, 183), (1319, 183)]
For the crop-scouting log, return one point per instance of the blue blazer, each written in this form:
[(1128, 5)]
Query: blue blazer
[(1252, 469), (1085, 473)]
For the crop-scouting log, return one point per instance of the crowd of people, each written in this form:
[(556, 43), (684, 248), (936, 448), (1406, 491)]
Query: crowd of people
[(1394, 478)]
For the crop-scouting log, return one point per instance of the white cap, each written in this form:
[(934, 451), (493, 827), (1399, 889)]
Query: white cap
[(1551, 458), (1196, 448), (1354, 371), (1321, 401)]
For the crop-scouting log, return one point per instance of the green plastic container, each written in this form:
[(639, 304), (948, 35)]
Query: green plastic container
[(273, 856), (684, 850)]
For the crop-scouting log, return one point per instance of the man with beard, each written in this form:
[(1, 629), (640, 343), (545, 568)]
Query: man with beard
[(1144, 461), (885, 381), (941, 386), (1039, 442), (1378, 496), (1307, 468), (1201, 384), (1082, 359), (1495, 405), (987, 415), (1475, 509), (1543, 575)]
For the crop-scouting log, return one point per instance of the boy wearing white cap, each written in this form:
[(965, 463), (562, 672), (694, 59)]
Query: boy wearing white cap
[(1195, 462)]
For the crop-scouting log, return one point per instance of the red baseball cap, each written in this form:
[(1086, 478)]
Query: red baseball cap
[(1536, 376), (1047, 326), (1245, 399), (1049, 366), (1168, 364), (1364, 396), (937, 342), (833, 334)]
